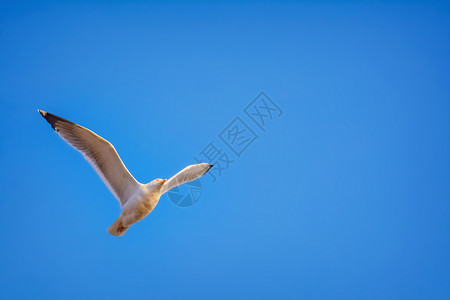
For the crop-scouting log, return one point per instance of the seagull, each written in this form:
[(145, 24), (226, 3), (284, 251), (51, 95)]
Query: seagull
[(136, 199)]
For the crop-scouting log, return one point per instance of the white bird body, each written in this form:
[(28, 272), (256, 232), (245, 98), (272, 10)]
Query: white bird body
[(137, 199), (140, 205)]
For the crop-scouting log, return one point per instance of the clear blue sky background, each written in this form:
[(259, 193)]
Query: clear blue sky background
[(346, 196)]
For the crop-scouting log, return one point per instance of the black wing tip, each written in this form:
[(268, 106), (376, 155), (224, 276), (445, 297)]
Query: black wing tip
[(43, 113), (210, 166), (53, 119), (49, 118)]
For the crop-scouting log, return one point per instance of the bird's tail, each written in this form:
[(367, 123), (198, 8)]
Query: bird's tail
[(117, 228)]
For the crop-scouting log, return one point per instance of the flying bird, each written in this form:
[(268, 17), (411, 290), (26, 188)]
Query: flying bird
[(136, 199)]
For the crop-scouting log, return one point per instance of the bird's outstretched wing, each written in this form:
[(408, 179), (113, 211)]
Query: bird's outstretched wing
[(99, 153), (189, 173)]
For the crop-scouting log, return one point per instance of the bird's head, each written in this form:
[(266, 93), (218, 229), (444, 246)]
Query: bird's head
[(157, 183)]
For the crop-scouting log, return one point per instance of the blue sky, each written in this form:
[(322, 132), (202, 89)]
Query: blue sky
[(345, 196)]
